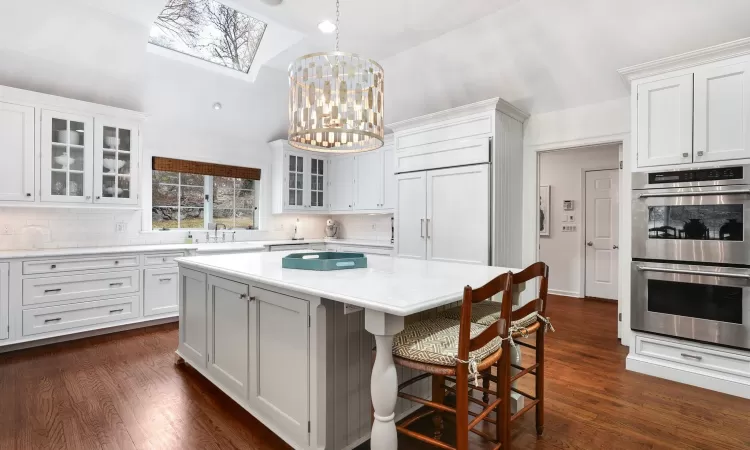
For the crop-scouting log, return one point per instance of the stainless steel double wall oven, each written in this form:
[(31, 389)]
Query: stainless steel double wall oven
[(691, 254)]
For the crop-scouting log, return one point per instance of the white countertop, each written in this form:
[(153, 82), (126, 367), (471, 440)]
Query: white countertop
[(396, 286), (221, 246)]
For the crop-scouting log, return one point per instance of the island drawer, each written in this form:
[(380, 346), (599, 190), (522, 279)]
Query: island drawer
[(64, 317), (82, 263), (74, 287), (715, 360), (161, 259)]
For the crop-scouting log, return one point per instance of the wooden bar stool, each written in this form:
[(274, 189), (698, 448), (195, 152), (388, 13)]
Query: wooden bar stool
[(525, 320), (443, 348)]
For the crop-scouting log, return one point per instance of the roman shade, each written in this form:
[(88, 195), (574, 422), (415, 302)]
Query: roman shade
[(202, 168)]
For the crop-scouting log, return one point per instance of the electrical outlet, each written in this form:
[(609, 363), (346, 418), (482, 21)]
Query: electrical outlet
[(373, 227), (121, 227), (280, 227), (6, 229)]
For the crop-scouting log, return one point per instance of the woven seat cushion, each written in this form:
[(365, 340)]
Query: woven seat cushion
[(435, 341), (487, 312)]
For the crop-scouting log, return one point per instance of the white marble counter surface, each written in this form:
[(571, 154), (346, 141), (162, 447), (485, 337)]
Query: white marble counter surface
[(395, 286)]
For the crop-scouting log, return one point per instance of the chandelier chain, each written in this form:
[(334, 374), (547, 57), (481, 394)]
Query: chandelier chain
[(337, 25)]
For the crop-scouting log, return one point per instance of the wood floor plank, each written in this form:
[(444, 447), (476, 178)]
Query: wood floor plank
[(123, 391)]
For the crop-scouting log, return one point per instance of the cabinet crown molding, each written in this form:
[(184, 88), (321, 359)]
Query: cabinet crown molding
[(492, 104), (693, 58)]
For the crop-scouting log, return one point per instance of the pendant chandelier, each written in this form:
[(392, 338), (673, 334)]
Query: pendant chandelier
[(336, 102)]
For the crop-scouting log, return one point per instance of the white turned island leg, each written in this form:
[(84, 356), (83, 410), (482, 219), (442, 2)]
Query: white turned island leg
[(384, 381)]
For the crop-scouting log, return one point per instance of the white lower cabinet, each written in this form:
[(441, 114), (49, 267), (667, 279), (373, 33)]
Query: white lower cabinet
[(77, 315), (160, 291), (193, 322), (228, 330), (4, 295), (279, 361), (72, 288)]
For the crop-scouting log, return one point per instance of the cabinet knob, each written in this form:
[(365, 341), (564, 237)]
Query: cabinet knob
[(700, 153), (53, 266), (684, 155), (117, 262), (88, 197), (98, 197), (28, 194)]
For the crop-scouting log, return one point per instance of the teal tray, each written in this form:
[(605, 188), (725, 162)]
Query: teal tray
[(324, 261)]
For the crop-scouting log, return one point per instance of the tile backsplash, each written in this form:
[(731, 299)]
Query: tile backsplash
[(35, 228), (369, 227)]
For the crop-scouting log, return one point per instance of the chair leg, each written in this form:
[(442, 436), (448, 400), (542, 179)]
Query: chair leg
[(540, 382), (486, 385), (438, 396), (462, 407), (502, 426)]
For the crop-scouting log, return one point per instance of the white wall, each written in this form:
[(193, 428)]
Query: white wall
[(564, 251)]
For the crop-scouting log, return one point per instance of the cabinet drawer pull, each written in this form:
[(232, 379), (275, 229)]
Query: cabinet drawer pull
[(164, 279), (115, 284), (686, 355), (53, 266), (243, 296), (112, 311), (164, 260), (117, 262), (47, 291), (56, 319)]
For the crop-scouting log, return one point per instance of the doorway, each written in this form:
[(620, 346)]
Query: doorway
[(601, 231)]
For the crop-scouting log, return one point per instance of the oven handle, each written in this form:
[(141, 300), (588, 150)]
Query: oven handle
[(694, 194), (695, 272)]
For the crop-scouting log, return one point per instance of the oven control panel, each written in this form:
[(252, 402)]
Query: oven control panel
[(690, 176)]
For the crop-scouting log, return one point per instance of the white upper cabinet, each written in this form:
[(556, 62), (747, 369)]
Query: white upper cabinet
[(316, 182), (17, 148), (67, 157), (389, 178), (342, 183), (299, 180), (665, 122), (722, 113), (369, 180), (115, 162)]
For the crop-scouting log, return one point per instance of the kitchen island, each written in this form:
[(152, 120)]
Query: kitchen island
[(294, 347)]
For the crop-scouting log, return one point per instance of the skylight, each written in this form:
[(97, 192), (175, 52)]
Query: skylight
[(209, 30)]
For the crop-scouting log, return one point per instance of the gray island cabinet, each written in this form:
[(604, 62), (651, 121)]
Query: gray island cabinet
[(294, 347)]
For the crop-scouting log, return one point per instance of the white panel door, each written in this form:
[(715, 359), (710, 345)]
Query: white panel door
[(280, 362), (4, 295), (602, 236), (411, 215), (193, 310), (389, 178), (665, 122), (116, 161), (67, 157), (17, 148), (228, 330), (368, 180), (458, 214), (294, 180), (722, 113), (160, 291), (341, 189), (315, 185)]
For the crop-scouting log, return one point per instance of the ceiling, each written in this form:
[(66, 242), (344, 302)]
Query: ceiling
[(541, 55)]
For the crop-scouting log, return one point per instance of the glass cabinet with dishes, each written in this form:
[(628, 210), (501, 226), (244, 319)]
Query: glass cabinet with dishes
[(66, 152), (115, 161)]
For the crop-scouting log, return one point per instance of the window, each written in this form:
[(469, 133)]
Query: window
[(208, 30), (233, 202)]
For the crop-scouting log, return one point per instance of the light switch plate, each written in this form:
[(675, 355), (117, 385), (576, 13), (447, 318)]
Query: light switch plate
[(121, 227), (569, 228)]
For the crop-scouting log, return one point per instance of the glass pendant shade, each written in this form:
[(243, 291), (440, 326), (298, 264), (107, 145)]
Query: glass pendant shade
[(336, 103)]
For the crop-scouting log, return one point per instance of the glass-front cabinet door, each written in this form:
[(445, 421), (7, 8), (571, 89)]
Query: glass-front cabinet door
[(318, 179), (67, 150), (295, 181), (115, 162)]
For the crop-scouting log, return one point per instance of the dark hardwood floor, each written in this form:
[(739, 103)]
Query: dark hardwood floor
[(124, 391)]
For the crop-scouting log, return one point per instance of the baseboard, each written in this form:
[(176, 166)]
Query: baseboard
[(140, 323), (564, 293), (659, 369)]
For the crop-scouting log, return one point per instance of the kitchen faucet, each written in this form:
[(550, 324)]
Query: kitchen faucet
[(215, 227)]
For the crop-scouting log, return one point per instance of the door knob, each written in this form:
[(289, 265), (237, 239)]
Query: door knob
[(590, 244), (615, 247)]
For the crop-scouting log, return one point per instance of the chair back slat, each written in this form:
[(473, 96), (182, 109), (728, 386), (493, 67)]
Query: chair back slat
[(524, 311), (538, 269), (502, 283)]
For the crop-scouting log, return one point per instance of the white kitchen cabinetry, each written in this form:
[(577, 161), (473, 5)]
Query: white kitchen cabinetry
[(341, 187), (444, 215), (4, 295), (115, 162), (722, 113), (299, 179), (193, 316), (279, 361), (67, 157), (692, 113), (456, 172), (389, 178), (665, 121), (17, 148), (228, 330), (160, 291), (368, 180)]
